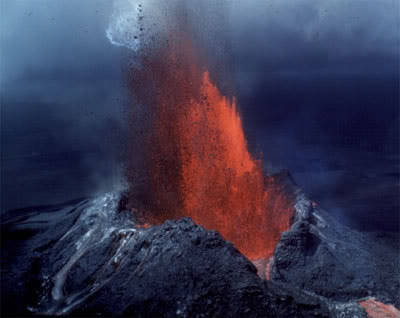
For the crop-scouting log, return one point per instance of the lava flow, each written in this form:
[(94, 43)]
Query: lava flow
[(200, 165)]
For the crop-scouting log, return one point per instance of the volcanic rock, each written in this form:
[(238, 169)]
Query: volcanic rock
[(321, 256), (88, 259)]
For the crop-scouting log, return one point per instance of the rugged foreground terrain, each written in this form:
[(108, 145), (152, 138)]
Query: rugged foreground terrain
[(89, 258)]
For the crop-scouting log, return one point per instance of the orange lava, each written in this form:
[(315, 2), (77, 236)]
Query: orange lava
[(200, 163), (376, 309), (263, 266)]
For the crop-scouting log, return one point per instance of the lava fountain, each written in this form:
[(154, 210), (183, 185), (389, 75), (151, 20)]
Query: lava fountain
[(198, 157)]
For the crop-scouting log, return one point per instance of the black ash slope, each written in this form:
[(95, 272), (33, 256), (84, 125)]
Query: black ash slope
[(92, 260), (89, 258), (324, 257)]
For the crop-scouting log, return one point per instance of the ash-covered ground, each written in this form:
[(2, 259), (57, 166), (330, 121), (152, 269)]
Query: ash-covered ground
[(91, 258)]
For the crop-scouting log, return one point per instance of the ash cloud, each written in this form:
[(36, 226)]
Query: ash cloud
[(332, 36)]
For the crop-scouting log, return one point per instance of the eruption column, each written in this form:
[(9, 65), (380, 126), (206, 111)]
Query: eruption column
[(200, 163)]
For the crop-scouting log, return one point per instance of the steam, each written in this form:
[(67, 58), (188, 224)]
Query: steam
[(124, 28), (130, 28)]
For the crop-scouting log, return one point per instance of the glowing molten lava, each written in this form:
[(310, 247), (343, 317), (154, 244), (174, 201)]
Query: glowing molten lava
[(200, 163), (376, 309)]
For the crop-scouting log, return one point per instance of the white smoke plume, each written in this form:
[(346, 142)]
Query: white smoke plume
[(134, 24), (124, 27)]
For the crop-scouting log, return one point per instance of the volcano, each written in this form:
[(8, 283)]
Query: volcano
[(91, 258), (202, 228)]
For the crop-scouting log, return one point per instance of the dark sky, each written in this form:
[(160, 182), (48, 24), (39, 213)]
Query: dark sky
[(319, 87), (317, 82), (60, 100)]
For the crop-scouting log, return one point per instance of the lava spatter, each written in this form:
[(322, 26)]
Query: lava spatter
[(200, 165)]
